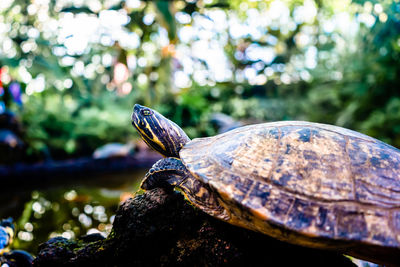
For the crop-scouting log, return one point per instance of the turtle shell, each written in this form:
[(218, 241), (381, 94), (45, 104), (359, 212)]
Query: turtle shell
[(306, 183)]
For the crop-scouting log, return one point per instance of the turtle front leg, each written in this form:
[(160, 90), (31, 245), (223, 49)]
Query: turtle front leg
[(165, 173), (171, 173)]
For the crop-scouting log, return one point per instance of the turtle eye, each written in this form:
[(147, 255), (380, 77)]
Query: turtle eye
[(146, 112)]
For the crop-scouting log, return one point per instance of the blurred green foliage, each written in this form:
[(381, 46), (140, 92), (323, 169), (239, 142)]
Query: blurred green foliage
[(333, 62), (366, 98)]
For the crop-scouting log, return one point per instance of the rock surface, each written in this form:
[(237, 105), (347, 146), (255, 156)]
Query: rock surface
[(159, 228)]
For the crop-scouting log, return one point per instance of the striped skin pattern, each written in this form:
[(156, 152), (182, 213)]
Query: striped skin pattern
[(309, 184), (158, 132)]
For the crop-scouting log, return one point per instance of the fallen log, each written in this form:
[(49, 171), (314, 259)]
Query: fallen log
[(31, 174)]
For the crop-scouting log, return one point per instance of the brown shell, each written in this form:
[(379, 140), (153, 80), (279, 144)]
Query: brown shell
[(304, 182)]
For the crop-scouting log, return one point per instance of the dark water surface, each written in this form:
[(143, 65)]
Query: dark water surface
[(71, 209)]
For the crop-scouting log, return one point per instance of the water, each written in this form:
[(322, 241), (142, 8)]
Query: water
[(71, 209)]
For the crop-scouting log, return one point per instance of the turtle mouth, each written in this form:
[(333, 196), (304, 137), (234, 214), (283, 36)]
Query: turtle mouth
[(137, 116), (135, 120), (136, 112)]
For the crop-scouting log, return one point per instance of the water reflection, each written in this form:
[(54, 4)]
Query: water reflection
[(70, 210)]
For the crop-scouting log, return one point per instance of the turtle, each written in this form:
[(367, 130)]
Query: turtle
[(309, 184)]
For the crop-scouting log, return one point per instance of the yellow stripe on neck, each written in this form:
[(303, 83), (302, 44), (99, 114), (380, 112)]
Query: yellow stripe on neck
[(147, 139)]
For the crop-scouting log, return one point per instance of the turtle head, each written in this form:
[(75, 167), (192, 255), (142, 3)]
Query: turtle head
[(158, 132)]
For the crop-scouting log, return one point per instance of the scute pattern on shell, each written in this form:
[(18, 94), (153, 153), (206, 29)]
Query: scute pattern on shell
[(312, 179)]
